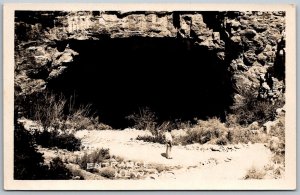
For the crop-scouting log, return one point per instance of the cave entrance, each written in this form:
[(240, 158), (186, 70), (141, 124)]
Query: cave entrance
[(173, 77)]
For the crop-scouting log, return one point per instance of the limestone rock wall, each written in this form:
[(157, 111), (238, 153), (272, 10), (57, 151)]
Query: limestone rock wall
[(251, 44)]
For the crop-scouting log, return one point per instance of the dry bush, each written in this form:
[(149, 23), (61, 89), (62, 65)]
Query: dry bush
[(96, 156), (211, 130), (158, 133), (254, 173), (278, 148), (244, 135), (48, 110), (278, 130), (250, 109), (117, 158), (79, 118), (232, 121), (108, 172), (145, 119), (150, 138), (55, 112), (179, 124)]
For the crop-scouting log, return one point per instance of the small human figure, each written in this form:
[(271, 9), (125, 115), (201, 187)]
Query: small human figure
[(169, 140)]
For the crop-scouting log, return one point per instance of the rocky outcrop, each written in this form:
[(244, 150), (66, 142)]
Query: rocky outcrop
[(251, 44)]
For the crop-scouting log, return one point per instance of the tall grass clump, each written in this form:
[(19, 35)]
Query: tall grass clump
[(48, 110)]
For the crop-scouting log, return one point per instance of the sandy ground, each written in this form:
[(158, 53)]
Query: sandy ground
[(197, 161)]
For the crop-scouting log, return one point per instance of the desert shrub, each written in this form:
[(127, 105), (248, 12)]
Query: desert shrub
[(278, 147), (231, 121), (58, 170), (28, 162), (179, 124), (154, 139), (56, 112), (45, 108), (206, 131), (145, 119), (49, 109), (244, 135), (96, 156), (254, 173), (222, 141), (102, 126), (108, 172), (250, 108), (49, 139), (79, 118), (213, 131), (157, 134), (79, 122), (238, 135), (278, 130)]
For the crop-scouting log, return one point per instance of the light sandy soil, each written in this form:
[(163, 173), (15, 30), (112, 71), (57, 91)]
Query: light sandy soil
[(197, 161)]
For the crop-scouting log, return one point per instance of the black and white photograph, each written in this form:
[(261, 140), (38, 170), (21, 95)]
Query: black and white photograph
[(176, 97)]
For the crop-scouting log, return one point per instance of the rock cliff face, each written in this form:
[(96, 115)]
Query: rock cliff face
[(251, 44)]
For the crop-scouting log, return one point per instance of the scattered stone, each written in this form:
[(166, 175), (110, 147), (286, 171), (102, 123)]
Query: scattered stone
[(215, 149)]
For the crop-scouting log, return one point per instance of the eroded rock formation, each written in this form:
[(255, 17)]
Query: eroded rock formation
[(251, 44)]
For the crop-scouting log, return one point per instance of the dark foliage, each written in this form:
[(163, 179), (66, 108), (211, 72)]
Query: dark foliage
[(253, 109), (53, 139), (28, 162), (58, 170)]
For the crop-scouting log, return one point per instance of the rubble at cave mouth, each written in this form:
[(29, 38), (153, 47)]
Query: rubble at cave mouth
[(172, 76)]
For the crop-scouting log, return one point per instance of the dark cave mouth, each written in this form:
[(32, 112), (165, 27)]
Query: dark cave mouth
[(173, 77)]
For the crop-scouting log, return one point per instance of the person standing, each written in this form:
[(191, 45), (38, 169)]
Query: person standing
[(169, 140)]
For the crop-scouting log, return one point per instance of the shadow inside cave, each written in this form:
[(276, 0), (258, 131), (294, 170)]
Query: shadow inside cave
[(173, 77)]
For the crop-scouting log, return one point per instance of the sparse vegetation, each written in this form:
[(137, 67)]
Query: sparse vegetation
[(108, 172), (255, 173), (150, 138), (278, 146), (211, 130), (251, 109), (50, 139), (48, 110), (55, 112), (96, 156), (145, 119)]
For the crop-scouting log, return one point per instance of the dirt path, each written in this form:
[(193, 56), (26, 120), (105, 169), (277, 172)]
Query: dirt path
[(197, 161)]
